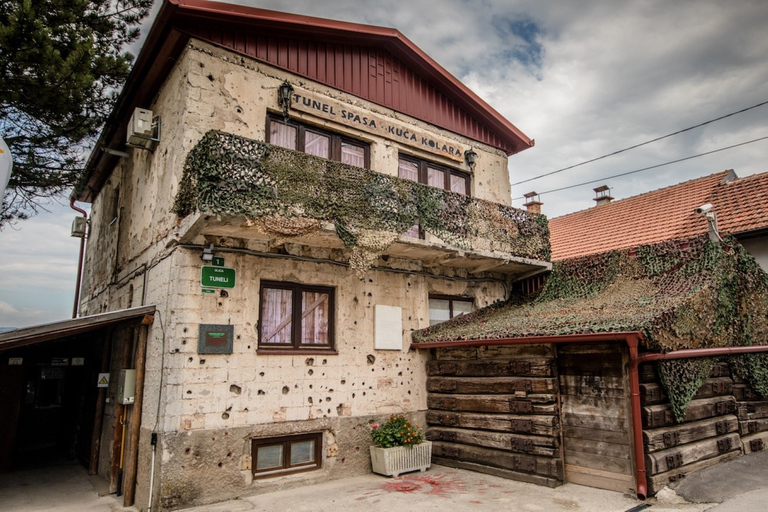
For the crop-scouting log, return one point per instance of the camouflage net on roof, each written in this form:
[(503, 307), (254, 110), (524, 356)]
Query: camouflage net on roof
[(679, 294), (286, 193)]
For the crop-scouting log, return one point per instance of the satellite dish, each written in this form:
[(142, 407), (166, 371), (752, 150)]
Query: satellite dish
[(6, 164)]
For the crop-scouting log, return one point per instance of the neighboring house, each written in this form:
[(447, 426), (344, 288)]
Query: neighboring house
[(558, 386), (297, 197), (740, 204)]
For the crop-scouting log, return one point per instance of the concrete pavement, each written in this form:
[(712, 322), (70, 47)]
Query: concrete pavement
[(736, 486)]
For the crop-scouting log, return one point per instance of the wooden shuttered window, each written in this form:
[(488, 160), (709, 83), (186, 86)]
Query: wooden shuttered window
[(296, 317)]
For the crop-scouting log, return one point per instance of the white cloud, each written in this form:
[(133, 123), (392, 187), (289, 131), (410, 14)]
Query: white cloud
[(612, 74)]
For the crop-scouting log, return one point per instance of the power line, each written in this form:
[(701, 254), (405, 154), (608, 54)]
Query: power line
[(642, 144), (648, 168)]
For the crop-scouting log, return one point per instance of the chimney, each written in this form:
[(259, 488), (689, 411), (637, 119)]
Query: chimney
[(532, 202), (602, 195)]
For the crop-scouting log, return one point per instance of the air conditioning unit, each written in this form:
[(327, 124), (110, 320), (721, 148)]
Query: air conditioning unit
[(143, 130), (79, 225)]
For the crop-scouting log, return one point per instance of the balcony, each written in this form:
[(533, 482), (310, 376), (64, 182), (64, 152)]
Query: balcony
[(244, 188)]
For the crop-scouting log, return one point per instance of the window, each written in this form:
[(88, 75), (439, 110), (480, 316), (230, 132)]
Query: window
[(433, 175), (289, 454), (296, 317), (442, 307), (313, 141)]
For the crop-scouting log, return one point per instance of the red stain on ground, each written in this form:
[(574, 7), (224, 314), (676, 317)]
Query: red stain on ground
[(437, 485)]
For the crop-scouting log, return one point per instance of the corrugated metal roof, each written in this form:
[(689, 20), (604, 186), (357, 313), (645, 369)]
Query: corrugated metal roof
[(67, 328)]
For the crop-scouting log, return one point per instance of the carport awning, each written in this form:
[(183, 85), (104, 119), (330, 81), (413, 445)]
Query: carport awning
[(68, 328)]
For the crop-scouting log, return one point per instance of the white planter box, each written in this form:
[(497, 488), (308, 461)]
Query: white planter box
[(401, 459)]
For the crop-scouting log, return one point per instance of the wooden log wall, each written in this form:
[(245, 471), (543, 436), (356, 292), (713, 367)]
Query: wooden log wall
[(710, 433), (494, 409)]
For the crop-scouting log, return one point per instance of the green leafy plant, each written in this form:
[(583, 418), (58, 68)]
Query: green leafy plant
[(397, 431)]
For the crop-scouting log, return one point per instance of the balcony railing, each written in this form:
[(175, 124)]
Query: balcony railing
[(290, 194)]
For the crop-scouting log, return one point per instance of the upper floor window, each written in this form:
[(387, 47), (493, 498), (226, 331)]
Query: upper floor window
[(296, 317), (313, 141), (434, 175)]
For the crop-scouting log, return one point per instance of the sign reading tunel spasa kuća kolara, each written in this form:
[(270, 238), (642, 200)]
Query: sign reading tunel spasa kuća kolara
[(343, 113)]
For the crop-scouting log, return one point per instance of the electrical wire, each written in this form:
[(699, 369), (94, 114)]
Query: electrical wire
[(642, 143), (648, 168)]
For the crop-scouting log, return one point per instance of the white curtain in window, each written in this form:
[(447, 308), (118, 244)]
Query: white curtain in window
[(435, 177), (277, 314), (352, 155), (282, 135), (314, 318), (316, 144), (458, 184)]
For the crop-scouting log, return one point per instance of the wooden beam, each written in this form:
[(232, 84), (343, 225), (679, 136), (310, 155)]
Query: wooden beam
[(98, 415), (133, 455)]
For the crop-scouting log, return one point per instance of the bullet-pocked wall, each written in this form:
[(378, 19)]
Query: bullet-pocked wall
[(207, 408)]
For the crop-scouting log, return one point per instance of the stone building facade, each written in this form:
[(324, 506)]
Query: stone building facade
[(280, 334)]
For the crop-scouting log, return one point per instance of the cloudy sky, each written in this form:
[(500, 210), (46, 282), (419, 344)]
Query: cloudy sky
[(582, 78)]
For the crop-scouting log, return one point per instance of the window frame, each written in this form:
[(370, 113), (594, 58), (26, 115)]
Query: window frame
[(296, 346), (287, 467), (451, 299), (336, 139), (424, 165)]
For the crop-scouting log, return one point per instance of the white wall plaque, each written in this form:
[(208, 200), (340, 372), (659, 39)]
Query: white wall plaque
[(388, 327)]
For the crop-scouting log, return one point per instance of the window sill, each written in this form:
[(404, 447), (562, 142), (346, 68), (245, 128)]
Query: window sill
[(295, 352)]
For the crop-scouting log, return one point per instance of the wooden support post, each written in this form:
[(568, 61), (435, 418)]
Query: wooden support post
[(98, 416), (133, 455)]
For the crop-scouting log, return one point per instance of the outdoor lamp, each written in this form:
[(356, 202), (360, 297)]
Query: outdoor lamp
[(471, 158), (284, 93)]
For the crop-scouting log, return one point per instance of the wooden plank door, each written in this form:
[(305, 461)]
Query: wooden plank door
[(595, 416)]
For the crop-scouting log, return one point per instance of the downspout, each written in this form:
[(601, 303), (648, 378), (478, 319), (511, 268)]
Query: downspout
[(641, 477), (80, 258)]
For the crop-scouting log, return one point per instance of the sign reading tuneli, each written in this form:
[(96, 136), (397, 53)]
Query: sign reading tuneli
[(217, 277), (344, 113)]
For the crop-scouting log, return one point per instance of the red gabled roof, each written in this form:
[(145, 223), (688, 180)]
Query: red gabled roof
[(741, 205), (376, 63)]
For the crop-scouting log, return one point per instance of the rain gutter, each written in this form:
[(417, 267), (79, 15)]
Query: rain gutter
[(79, 278), (633, 340)]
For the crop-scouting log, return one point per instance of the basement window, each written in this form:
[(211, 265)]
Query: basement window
[(445, 307), (289, 454)]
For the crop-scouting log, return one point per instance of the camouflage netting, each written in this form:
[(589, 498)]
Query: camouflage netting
[(679, 294), (286, 193)]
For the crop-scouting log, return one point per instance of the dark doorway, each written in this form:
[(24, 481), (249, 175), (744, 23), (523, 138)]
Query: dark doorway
[(48, 402)]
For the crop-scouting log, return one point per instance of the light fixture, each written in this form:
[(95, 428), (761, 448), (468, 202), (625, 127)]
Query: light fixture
[(471, 158), (284, 93), (207, 253)]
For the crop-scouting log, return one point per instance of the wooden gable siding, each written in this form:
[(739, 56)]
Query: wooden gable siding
[(364, 71)]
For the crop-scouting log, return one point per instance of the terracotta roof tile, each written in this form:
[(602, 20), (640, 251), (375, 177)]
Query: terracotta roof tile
[(741, 205)]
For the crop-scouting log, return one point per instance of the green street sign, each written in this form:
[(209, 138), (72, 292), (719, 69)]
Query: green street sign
[(217, 277), (218, 261)]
